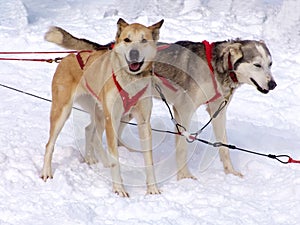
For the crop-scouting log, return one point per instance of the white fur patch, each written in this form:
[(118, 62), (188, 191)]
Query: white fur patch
[(265, 56)]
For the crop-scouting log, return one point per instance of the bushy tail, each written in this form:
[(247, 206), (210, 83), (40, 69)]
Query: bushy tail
[(66, 40)]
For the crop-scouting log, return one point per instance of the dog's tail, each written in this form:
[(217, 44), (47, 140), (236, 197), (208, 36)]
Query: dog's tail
[(66, 40)]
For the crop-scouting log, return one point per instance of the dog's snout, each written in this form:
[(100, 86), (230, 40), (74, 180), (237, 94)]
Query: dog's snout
[(272, 84), (134, 55)]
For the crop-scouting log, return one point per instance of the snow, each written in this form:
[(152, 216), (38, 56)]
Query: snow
[(269, 193)]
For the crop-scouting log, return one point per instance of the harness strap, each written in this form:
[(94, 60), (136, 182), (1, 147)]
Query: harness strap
[(127, 101), (208, 53), (231, 71), (90, 89), (80, 60), (162, 47), (166, 82)]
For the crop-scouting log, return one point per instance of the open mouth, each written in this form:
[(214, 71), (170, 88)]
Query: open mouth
[(264, 91), (134, 66)]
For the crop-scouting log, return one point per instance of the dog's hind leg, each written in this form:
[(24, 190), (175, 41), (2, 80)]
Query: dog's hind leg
[(57, 120), (219, 127), (93, 133), (64, 86), (90, 136)]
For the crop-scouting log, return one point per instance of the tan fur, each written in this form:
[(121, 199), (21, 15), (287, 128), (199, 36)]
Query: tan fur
[(70, 82)]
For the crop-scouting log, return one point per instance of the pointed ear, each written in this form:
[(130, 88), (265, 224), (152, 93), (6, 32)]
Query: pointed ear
[(235, 52), (262, 42), (121, 25), (155, 29)]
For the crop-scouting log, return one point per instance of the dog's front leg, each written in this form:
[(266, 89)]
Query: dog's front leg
[(219, 127), (142, 115), (183, 116), (146, 139), (111, 128), (125, 119)]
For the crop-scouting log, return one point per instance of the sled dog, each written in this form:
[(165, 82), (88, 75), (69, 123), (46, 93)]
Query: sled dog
[(119, 82), (191, 74)]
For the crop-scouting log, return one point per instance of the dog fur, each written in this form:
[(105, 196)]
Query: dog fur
[(131, 62), (184, 64)]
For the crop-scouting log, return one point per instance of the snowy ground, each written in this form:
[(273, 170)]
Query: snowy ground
[(269, 193)]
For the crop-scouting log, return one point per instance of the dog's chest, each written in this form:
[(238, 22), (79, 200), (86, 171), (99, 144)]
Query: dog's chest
[(131, 85)]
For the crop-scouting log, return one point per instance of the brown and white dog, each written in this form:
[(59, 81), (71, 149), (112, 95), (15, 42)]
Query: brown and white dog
[(119, 82), (191, 74)]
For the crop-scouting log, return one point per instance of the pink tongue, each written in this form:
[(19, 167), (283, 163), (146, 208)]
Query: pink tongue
[(134, 66)]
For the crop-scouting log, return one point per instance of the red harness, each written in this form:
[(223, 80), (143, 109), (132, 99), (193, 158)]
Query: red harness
[(80, 60), (127, 101), (208, 52), (166, 82), (162, 47), (230, 69)]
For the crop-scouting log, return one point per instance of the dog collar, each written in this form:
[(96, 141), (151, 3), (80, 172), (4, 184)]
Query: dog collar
[(127, 101), (208, 53)]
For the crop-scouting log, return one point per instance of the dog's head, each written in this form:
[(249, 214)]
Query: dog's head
[(251, 62), (135, 45)]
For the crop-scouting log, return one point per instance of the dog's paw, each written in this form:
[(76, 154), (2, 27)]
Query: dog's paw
[(119, 190), (90, 157), (234, 172), (46, 174), (90, 160), (153, 190), (185, 175)]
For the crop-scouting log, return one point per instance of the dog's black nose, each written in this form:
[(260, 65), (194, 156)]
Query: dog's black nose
[(272, 84), (134, 55)]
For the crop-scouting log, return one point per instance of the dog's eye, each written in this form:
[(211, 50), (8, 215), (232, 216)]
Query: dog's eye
[(270, 64), (144, 40), (257, 65), (127, 40)]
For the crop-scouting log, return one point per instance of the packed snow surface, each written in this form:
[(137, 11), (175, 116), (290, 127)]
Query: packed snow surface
[(269, 192)]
